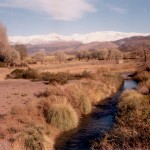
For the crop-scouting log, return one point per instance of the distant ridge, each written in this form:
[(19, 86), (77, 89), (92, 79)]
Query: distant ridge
[(102, 36)]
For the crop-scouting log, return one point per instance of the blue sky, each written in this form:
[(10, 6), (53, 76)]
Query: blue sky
[(28, 17)]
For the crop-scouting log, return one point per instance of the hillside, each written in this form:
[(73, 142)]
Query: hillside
[(133, 43), (54, 46)]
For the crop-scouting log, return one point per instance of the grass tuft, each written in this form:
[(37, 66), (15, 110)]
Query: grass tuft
[(62, 116)]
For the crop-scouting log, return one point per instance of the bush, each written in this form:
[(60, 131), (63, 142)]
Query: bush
[(130, 99), (24, 74), (51, 78), (2, 65), (60, 78), (16, 74), (39, 56), (33, 139), (63, 77), (61, 116), (31, 74), (142, 76), (85, 105), (132, 128)]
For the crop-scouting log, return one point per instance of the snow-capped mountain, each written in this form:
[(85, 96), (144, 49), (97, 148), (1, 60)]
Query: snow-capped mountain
[(84, 38)]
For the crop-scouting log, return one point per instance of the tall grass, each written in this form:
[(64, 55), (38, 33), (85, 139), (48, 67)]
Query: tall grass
[(143, 77), (132, 129), (84, 105), (130, 100), (61, 116), (60, 107)]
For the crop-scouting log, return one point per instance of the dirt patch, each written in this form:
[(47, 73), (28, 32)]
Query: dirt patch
[(4, 72), (18, 92)]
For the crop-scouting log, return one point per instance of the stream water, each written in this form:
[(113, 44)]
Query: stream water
[(100, 121)]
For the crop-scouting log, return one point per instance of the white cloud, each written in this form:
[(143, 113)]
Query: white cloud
[(119, 10), (57, 9)]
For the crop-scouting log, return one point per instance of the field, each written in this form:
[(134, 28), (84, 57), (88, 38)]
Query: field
[(19, 95), (32, 106)]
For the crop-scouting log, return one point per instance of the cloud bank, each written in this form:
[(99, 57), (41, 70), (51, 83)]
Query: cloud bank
[(68, 10)]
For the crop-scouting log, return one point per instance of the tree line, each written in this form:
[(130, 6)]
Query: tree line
[(100, 54)]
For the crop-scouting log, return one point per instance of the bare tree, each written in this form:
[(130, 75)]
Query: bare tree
[(114, 54), (145, 48), (101, 54), (7, 54), (3, 38), (39, 56), (60, 56), (22, 50)]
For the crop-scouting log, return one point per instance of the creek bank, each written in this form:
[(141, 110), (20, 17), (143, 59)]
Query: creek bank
[(94, 125)]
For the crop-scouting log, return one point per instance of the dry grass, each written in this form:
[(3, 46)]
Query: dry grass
[(76, 66), (62, 116), (130, 100), (78, 96), (143, 77), (133, 124)]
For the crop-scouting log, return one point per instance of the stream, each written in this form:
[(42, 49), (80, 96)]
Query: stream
[(97, 123)]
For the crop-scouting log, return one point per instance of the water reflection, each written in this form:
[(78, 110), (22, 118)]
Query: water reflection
[(129, 84)]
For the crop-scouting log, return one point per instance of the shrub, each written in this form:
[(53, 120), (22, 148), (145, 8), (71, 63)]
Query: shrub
[(61, 116), (25, 74), (130, 99), (33, 139), (2, 136), (60, 78), (63, 77), (12, 130), (142, 76), (31, 74), (84, 105), (22, 50), (39, 56), (2, 65), (16, 74), (132, 128), (51, 78), (60, 56), (78, 98)]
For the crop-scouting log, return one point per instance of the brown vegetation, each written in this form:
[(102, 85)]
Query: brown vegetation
[(57, 109), (7, 54), (143, 77), (132, 128)]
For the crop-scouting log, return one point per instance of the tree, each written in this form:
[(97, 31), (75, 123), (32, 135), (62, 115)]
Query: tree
[(144, 47), (7, 54), (60, 56), (39, 56), (22, 50), (4, 45), (80, 54), (84, 54), (101, 54), (114, 54)]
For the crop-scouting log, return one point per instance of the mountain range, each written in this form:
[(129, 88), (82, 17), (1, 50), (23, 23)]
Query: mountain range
[(84, 38), (90, 41)]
